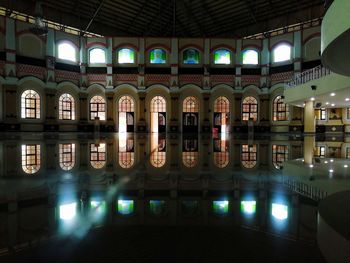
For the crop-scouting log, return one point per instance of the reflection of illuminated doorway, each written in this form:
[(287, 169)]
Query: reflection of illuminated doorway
[(221, 114), (126, 114), (221, 152), (158, 151), (126, 154), (190, 152), (158, 114), (190, 109)]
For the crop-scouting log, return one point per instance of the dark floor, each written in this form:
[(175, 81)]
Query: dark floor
[(172, 244)]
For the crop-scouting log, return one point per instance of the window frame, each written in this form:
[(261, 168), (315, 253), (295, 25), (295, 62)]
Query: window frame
[(252, 156), (158, 64), (248, 64), (276, 103), (72, 111), (280, 154), (222, 64), (126, 64), (97, 107), (67, 61), (97, 63), (35, 167), (37, 105), (64, 164), (250, 106), (322, 111), (191, 64), (273, 53)]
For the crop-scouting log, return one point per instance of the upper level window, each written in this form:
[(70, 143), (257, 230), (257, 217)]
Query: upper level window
[(282, 53), (222, 56), (97, 55), (280, 109), (30, 105), (98, 108), (126, 56), (66, 107), (67, 51), (250, 109), (250, 57), (31, 158), (191, 56), (157, 56)]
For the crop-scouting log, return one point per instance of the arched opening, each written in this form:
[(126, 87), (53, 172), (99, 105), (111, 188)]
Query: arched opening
[(126, 109), (158, 114), (190, 109), (250, 109), (221, 152), (222, 114), (280, 109), (97, 155), (67, 156), (67, 51), (282, 52), (30, 105), (97, 108), (126, 151), (249, 155), (158, 151), (279, 155), (66, 107), (190, 152), (31, 158)]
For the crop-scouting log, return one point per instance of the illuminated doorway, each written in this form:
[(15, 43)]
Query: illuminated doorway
[(158, 114), (126, 109), (190, 109), (221, 114)]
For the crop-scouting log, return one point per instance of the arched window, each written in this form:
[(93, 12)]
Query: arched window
[(67, 155), (222, 56), (158, 151), (66, 106), (126, 152), (126, 56), (157, 56), (222, 104), (221, 153), (31, 158), (280, 109), (126, 104), (249, 155), (190, 104), (97, 155), (279, 155), (250, 109), (158, 114), (67, 51), (191, 56), (98, 108), (97, 55), (30, 105), (282, 53), (250, 57), (158, 104)]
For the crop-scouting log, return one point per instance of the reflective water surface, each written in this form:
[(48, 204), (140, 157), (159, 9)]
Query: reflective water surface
[(68, 185)]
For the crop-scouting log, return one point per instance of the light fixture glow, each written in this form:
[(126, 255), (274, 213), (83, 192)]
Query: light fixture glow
[(345, 166), (327, 103), (311, 165), (347, 99), (331, 160), (312, 98), (325, 161), (331, 170), (279, 211), (332, 104), (332, 94)]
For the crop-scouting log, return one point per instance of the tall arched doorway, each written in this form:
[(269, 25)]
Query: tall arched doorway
[(222, 114), (126, 110), (190, 109), (158, 114)]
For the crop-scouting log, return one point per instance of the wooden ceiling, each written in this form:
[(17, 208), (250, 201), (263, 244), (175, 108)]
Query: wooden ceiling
[(182, 18)]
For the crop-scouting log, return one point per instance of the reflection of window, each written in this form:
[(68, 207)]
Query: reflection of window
[(279, 211), (190, 104), (321, 114), (222, 56), (250, 57), (189, 159), (280, 109), (157, 207), (158, 151), (320, 151), (222, 104), (279, 155), (248, 156), (125, 207), (221, 153), (348, 153), (31, 158), (250, 109), (126, 56), (157, 56), (348, 113), (97, 108), (67, 155), (282, 53), (97, 55), (97, 155), (126, 152), (220, 207), (158, 104), (66, 107), (67, 51), (191, 56), (30, 105)]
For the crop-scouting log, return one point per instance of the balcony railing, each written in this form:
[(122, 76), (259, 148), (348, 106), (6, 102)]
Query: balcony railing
[(308, 75)]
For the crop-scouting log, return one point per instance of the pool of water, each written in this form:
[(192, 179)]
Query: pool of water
[(79, 189)]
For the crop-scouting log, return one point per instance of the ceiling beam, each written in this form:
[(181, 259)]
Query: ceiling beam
[(94, 15)]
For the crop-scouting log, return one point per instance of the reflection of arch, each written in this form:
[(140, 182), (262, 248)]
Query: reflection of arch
[(31, 158), (97, 155), (67, 156), (279, 155), (126, 155), (250, 109), (280, 109), (249, 155), (221, 153), (158, 151), (190, 159), (30, 105)]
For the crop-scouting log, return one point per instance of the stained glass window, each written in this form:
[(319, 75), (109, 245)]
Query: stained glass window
[(222, 104), (157, 56), (126, 56), (30, 105), (190, 104), (67, 155), (250, 109), (222, 56), (66, 106), (280, 109), (282, 53), (158, 104), (126, 104), (250, 57), (97, 55), (97, 155), (31, 158), (67, 51), (279, 155), (249, 155), (191, 56), (98, 108)]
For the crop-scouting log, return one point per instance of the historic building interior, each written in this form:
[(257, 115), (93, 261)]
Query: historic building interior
[(175, 123)]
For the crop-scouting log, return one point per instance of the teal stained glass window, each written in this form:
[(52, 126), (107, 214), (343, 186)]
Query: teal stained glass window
[(126, 56), (222, 56), (191, 56), (157, 56), (248, 207), (157, 207), (125, 207), (250, 57), (220, 207)]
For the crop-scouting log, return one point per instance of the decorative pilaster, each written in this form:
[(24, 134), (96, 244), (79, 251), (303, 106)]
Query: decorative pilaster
[(309, 117), (83, 63), (297, 52), (141, 124), (265, 65), (238, 59), (141, 67), (174, 122), (206, 112), (10, 49), (109, 60), (83, 103), (11, 111), (206, 65), (50, 57), (174, 60), (110, 111)]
